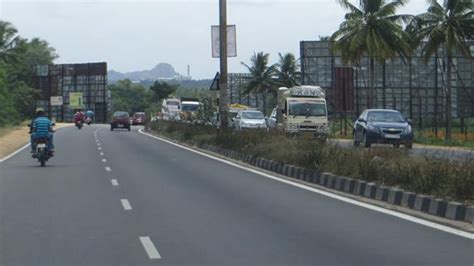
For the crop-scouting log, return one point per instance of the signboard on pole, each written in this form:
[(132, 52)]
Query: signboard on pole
[(76, 100), (215, 82), (231, 41), (56, 100)]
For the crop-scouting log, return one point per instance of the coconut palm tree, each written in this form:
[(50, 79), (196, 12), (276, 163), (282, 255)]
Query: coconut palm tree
[(261, 80), (446, 26), (8, 41), (288, 74), (373, 29)]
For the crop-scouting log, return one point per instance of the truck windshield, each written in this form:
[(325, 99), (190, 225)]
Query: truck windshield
[(307, 108), (189, 107)]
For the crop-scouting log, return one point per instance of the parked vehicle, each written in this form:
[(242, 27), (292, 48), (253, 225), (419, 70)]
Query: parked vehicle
[(383, 126), (250, 119), (302, 110), (120, 120), (139, 118), (170, 109)]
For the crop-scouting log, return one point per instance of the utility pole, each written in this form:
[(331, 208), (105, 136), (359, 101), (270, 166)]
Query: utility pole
[(223, 101)]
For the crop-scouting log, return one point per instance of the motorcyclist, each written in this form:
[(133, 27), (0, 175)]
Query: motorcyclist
[(89, 115), (78, 117), (41, 127)]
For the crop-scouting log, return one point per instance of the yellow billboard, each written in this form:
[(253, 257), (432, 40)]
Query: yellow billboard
[(76, 100)]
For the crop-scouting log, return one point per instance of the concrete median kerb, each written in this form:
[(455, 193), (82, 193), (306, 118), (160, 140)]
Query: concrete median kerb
[(392, 195)]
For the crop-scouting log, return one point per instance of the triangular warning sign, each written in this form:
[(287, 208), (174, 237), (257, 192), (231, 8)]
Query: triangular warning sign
[(215, 82)]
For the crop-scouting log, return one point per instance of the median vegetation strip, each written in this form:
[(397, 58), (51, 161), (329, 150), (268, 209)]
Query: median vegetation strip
[(367, 168)]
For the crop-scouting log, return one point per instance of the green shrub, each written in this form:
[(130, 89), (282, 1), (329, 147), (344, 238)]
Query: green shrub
[(387, 166)]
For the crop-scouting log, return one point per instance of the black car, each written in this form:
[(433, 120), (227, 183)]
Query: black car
[(383, 126)]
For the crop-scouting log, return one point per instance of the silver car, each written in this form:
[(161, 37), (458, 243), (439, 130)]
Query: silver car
[(250, 119)]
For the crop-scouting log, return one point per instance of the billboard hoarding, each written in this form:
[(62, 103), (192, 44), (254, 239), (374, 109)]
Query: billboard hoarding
[(76, 100)]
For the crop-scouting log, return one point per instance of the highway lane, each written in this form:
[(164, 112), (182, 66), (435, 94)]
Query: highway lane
[(192, 209)]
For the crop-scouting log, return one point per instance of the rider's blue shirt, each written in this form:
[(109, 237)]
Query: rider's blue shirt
[(41, 126)]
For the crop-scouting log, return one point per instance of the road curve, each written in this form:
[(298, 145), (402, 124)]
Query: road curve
[(127, 199)]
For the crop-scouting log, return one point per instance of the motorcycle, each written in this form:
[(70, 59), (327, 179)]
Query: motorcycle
[(88, 121), (79, 124), (42, 152)]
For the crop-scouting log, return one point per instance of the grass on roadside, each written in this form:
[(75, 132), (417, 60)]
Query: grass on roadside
[(394, 167)]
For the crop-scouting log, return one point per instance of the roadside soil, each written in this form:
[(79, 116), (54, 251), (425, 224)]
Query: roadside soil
[(14, 138)]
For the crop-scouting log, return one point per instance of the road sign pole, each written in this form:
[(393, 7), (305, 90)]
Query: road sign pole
[(223, 99)]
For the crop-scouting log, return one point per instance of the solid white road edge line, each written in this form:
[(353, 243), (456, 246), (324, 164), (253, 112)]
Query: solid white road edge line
[(126, 204), (14, 153), (114, 182), (149, 248), (19, 150), (328, 194)]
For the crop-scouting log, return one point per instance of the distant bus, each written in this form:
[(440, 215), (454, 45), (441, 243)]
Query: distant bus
[(170, 109)]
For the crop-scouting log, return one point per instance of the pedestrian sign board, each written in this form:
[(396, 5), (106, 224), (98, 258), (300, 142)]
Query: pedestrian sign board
[(56, 100), (76, 100)]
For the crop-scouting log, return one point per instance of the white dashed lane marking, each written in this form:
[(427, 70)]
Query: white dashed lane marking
[(114, 182), (126, 204), (108, 169), (150, 248), (104, 160)]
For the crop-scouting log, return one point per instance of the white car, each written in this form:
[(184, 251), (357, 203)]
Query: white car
[(250, 119)]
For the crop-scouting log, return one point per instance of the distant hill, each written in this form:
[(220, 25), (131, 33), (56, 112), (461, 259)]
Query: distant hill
[(160, 71), (186, 83)]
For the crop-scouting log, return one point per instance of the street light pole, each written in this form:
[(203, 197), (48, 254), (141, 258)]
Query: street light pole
[(223, 101)]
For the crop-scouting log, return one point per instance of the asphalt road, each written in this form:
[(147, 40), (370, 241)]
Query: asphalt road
[(143, 202)]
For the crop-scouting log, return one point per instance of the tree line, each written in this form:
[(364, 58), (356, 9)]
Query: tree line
[(18, 55), (373, 28)]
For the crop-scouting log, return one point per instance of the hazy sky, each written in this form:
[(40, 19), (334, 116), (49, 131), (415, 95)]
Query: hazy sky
[(136, 35)]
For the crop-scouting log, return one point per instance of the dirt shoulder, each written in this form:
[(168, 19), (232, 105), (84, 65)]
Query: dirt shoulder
[(14, 138)]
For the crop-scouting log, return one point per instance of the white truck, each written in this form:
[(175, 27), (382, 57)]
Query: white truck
[(302, 110), (170, 109)]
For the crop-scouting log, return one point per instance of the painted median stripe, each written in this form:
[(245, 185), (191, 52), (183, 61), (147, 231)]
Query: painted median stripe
[(114, 182), (126, 204), (150, 248), (403, 216)]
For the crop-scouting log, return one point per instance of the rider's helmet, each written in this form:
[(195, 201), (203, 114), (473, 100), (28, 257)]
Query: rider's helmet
[(39, 111)]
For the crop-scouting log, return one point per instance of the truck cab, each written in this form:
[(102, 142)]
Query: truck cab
[(302, 110)]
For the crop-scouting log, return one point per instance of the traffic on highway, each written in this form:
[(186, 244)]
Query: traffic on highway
[(330, 132)]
